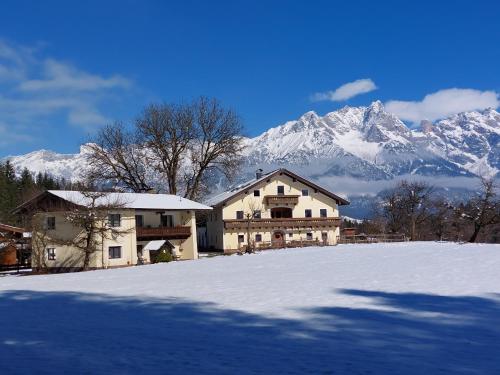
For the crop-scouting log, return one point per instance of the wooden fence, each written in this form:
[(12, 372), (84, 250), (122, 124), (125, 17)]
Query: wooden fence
[(372, 238)]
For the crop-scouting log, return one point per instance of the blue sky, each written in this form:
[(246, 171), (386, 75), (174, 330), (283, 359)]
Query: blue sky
[(68, 67)]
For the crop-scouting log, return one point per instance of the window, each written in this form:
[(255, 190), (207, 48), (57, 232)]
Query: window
[(258, 238), (241, 238), (51, 222), (115, 252), (322, 212), (114, 220), (281, 212), (257, 214), (290, 235), (256, 193), (239, 215), (281, 190), (308, 213), (167, 221), (139, 221), (51, 253), (305, 192), (309, 236)]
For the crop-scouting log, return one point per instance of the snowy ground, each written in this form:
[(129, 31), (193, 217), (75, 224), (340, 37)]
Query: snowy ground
[(412, 308)]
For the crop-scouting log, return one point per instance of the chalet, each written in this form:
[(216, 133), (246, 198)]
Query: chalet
[(138, 224), (276, 209)]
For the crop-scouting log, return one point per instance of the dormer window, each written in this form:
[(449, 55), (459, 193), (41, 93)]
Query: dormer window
[(281, 190)]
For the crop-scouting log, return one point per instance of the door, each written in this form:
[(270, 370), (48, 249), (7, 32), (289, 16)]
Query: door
[(278, 239)]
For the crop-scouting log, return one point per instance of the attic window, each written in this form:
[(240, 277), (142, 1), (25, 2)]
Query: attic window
[(256, 193), (281, 190), (114, 220), (51, 223)]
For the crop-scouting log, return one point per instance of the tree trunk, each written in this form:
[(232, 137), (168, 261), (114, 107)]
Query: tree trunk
[(413, 230), (88, 249), (477, 228), (249, 249)]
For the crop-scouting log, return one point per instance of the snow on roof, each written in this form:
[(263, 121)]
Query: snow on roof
[(154, 245), (216, 199), (134, 200)]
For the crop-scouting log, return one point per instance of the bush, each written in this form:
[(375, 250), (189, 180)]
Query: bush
[(163, 257)]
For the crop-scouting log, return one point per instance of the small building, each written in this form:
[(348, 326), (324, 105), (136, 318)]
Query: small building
[(14, 246), (275, 209), (348, 232), (133, 223)]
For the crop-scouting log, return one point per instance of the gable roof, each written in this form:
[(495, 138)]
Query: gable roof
[(126, 200), (222, 198)]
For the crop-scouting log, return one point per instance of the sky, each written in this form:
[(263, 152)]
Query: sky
[(67, 67)]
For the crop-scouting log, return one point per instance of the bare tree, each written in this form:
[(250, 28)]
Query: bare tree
[(389, 208), (167, 130), (484, 209), (118, 156), (91, 217), (253, 211), (39, 242), (187, 145), (407, 206), (440, 218), (216, 146)]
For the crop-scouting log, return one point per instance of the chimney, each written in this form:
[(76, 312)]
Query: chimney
[(258, 173)]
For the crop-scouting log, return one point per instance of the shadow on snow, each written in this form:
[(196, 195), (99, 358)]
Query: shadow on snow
[(55, 332)]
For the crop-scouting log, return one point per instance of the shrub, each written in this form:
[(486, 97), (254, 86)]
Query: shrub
[(164, 257)]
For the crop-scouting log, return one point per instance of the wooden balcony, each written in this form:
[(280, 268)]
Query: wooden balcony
[(281, 199), (163, 233), (318, 222)]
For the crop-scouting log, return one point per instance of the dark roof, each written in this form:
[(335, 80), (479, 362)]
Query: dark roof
[(222, 198), (10, 228)]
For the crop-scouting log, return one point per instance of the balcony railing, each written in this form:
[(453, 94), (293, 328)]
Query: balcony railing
[(180, 232), (319, 222), (281, 199)]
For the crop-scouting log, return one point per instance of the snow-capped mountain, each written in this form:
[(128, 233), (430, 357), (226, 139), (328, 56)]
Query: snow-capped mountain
[(68, 166), (370, 143), (366, 143)]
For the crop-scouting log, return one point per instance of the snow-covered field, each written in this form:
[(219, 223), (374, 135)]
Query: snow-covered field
[(411, 308)]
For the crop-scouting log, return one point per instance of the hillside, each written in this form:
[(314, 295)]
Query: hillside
[(409, 308)]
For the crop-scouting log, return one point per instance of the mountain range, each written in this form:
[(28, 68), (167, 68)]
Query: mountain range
[(365, 145)]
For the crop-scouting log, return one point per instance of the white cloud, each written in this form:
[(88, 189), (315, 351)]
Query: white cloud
[(36, 91), (60, 76), (346, 91), (443, 103)]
